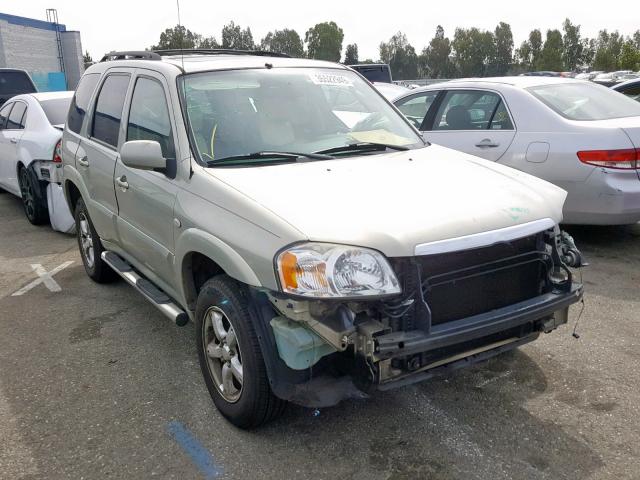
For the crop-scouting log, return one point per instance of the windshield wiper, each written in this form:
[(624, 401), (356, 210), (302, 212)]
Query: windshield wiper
[(362, 146), (278, 156)]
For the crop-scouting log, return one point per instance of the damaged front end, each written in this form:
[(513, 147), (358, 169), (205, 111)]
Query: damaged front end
[(455, 308)]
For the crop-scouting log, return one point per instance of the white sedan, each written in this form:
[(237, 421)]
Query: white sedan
[(578, 135), (30, 164)]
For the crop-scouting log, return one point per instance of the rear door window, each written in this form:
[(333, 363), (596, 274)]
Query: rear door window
[(469, 110), (4, 115), (108, 111), (80, 101), (17, 117)]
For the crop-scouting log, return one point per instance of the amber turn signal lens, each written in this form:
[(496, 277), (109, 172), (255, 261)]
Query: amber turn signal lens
[(288, 270)]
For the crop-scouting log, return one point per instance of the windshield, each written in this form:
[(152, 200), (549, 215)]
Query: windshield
[(585, 101), (238, 112), (56, 109)]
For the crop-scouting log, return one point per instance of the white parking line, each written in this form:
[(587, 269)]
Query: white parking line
[(43, 277)]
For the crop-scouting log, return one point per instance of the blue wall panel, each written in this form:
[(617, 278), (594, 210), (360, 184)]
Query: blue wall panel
[(49, 82)]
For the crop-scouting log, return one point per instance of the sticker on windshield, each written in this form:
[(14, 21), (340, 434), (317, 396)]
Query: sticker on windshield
[(331, 79)]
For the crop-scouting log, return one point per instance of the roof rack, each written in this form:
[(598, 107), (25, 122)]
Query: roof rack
[(131, 55), (217, 51)]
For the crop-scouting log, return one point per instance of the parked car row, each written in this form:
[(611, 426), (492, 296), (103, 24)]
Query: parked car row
[(580, 136)]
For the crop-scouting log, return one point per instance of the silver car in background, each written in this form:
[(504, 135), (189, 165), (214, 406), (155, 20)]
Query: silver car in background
[(575, 134)]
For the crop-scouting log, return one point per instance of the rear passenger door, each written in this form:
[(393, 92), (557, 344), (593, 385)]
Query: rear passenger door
[(97, 154), (145, 197), (472, 121)]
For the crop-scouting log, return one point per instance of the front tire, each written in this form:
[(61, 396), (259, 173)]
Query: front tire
[(91, 247), (230, 355), (34, 197)]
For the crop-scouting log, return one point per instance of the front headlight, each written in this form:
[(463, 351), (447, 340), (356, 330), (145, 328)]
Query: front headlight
[(325, 270)]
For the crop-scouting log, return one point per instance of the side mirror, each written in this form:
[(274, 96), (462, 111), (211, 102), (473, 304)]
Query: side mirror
[(143, 154)]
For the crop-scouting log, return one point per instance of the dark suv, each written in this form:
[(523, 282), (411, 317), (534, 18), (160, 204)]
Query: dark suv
[(14, 82)]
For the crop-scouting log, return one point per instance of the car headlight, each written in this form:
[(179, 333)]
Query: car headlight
[(324, 270)]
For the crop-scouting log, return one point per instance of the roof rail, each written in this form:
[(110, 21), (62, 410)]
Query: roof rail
[(218, 51), (131, 55)]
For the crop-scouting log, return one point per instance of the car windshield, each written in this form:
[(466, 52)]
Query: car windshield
[(585, 101), (56, 110), (306, 110)]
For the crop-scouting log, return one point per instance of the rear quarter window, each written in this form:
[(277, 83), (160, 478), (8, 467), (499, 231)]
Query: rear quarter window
[(80, 101)]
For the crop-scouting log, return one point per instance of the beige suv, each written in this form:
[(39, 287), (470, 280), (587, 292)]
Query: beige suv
[(322, 248)]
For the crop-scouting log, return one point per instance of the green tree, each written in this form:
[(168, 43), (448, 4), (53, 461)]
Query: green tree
[(86, 58), (629, 56), (503, 57), (474, 49), (234, 37), (176, 38), (351, 54), (400, 56), (523, 56), (608, 50), (434, 60), (588, 51), (207, 42), (284, 41), (535, 41), (572, 46), (324, 41), (551, 55), (636, 39)]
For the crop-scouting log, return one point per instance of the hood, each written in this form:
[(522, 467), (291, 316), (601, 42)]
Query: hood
[(393, 202)]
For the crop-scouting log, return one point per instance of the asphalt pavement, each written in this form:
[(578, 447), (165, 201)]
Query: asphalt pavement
[(96, 383)]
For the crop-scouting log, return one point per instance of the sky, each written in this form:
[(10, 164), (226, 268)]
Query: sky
[(135, 25)]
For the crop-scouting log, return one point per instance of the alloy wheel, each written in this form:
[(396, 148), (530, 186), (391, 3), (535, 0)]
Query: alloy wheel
[(26, 191), (86, 240), (224, 359)]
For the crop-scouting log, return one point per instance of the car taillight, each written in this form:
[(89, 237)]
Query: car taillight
[(624, 159), (57, 152)]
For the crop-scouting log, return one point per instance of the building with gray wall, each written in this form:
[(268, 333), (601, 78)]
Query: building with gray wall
[(36, 46)]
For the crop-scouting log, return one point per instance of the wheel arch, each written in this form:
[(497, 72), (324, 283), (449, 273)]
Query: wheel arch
[(201, 256)]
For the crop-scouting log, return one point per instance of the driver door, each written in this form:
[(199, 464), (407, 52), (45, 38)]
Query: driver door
[(472, 121)]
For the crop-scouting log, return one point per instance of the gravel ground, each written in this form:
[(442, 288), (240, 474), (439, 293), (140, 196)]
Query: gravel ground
[(95, 383)]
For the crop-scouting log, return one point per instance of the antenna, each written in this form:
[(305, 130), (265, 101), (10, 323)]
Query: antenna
[(181, 38)]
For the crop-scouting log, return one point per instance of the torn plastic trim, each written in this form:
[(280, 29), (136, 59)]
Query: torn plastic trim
[(484, 239), (307, 388), (333, 322)]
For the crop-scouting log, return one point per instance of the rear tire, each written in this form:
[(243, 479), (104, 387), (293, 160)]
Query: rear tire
[(34, 197), (230, 356), (91, 247)]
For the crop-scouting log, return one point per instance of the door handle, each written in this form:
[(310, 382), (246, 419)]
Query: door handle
[(487, 143), (122, 182), (13, 140), (84, 161)]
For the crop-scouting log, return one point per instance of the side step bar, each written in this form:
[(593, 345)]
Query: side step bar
[(152, 293)]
